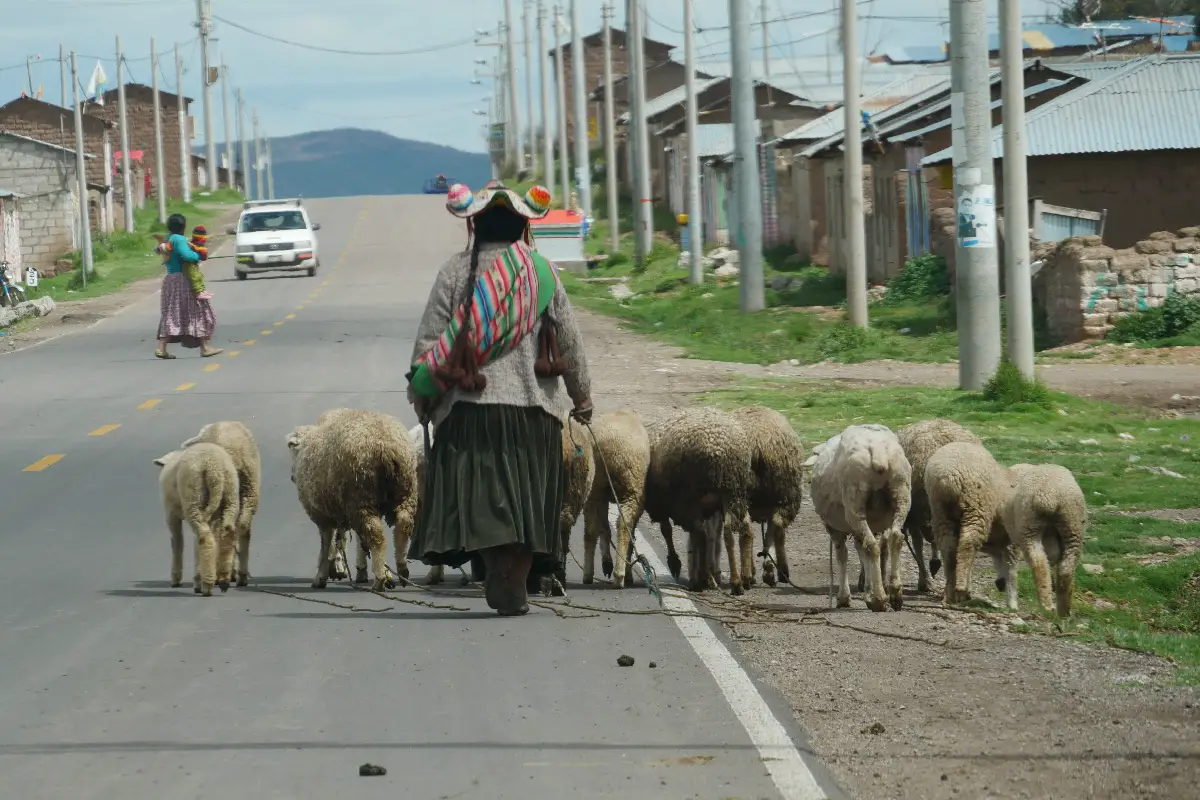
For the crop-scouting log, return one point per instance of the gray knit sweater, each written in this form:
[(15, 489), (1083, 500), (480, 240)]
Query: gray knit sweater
[(510, 379)]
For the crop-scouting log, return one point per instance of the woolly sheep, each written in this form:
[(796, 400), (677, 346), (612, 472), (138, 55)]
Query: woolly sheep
[(920, 441), (239, 442), (350, 469), (621, 452), (966, 489), (861, 486), (580, 466), (777, 460), (1045, 516), (200, 484), (699, 477)]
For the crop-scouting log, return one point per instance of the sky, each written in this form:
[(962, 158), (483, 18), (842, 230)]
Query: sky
[(426, 96)]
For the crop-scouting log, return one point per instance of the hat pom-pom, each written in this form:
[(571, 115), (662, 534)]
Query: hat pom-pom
[(459, 197), (538, 199)]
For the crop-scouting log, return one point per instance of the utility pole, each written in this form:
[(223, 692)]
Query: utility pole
[(510, 50), (745, 137), (976, 271), (1018, 291), (695, 240), (564, 160), (526, 13), (243, 144), (642, 194), (547, 80), (229, 170), (583, 171), (62, 73), (270, 168), (258, 173), (210, 146), (610, 138), (185, 148), (85, 224), (126, 181), (766, 45), (160, 170), (855, 250)]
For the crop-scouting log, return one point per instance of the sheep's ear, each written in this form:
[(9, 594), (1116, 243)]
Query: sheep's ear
[(293, 441), (161, 461)]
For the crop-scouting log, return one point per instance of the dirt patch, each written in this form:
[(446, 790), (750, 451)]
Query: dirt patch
[(927, 703), (1183, 515), (1126, 354), (1179, 549)]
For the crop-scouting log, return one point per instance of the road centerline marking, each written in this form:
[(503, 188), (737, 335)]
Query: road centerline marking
[(45, 462), (211, 367), (290, 316), (266, 333), (249, 342), (183, 387), (277, 324), (104, 429), (233, 353), (149, 404)]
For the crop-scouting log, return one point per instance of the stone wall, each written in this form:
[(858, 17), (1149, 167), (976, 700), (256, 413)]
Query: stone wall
[(47, 210), (1084, 286)]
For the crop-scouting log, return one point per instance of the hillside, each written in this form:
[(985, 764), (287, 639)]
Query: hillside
[(350, 161)]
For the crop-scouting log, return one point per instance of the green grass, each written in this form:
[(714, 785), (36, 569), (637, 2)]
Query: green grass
[(1155, 607), (1176, 323), (124, 258)]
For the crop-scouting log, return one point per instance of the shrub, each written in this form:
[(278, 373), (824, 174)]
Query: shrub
[(923, 278), (1009, 388), (1177, 315)]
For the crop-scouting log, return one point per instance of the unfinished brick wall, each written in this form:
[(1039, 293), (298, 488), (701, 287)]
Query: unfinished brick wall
[(47, 209), (50, 123), (139, 111), (1085, 287)]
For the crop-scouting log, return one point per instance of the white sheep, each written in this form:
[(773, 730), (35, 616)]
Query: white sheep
[(1045, 516), (200, 484), (966, 489), (351, 469), (861, 487), (239, 442), (621, 451)]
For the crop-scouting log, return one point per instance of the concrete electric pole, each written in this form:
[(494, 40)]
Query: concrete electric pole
[(85, 224), (695, 237), (185, 148), (517, 154), (1017, 289), (270, 168), (547, 81), (976, 272), (527, 12), (122, 117), (746, 180), (643, 196), (855, 249), (243, 144), (230, 172), (160, 171), (583, 171), (204, 23), (258, 161), (610, 134), (564, 160)]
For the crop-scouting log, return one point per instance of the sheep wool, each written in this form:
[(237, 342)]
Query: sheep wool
[(1045, 515), (621, 450), (199, 484)]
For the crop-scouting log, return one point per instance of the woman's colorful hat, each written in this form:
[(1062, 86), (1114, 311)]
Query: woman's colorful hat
[(463, 204)]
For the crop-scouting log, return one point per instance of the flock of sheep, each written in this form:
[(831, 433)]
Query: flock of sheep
[(711, 472)]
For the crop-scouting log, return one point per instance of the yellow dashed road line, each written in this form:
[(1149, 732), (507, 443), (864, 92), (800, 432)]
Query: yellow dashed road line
[(183, 387), (45, 462), (290, 316), (103, 429), (233, 353), (248, 342), (266, 333), (277, 324), (211, 367), (314, 295), (149, 404)]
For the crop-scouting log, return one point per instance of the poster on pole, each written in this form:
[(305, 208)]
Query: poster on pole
[(977, 217)]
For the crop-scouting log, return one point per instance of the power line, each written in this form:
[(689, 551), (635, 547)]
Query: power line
[(414, 52)]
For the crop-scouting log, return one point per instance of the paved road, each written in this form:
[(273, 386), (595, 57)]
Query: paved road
[(115, 685)]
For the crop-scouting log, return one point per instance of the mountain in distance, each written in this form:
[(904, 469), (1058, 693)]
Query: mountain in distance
[(347, 162)]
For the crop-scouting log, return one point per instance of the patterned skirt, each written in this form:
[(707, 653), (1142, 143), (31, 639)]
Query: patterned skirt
[(184, 319)]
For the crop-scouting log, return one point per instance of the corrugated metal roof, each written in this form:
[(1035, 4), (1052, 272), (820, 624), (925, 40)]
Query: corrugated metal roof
[(1054, 36), (713, 141), (882, 99), (1177, 43), (916, 54), (1030, 91), (672, 98), (1152, 103)]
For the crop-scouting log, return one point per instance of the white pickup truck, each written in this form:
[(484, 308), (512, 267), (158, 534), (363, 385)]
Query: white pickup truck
[(275, 235)]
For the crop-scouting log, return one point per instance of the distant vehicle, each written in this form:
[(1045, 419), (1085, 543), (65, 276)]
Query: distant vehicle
[(438, 185), (275, 235)]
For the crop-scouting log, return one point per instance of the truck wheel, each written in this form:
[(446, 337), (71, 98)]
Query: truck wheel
[(241, 276), (312, 271)]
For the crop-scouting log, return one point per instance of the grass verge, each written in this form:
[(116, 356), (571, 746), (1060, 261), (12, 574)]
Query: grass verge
[(1139, 586), (123, 258)]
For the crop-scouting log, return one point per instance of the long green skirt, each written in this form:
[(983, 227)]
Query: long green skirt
[(495, 476)]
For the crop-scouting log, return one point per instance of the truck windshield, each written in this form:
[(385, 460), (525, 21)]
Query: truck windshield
[(272, 221)]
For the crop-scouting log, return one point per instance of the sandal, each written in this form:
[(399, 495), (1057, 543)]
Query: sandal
[(159, 354)]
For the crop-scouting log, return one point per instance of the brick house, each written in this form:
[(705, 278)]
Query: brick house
[(656, 54), (139, 111), (46, 122), (43, 179)]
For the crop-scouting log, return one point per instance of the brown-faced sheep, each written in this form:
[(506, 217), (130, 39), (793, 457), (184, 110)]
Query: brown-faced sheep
[(777, 461), (622, 457), (239, 442), (966, 489), (699, 477), (1045, 516), (861, 487), (920, 441), (350, 469), (199, 484)]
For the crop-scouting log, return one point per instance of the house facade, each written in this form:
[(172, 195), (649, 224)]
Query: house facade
[(42, 180), (139, 112)]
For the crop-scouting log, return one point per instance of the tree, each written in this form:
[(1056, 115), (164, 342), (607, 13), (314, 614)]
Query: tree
[(1074, 12)]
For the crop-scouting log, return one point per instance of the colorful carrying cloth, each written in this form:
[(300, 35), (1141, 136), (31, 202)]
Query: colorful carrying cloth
[(510, 296)]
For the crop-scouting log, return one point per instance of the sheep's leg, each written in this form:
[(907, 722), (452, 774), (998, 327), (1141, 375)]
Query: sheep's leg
[(360, 561), (243, 556), (1035, 555), (674, 565), (697, 573), (945, 535), (1006, 579), (628, 514), (175, 526), (715, 526), (778, 533), (594, 515), (226, 544), (206, 557), (768, 563), (370, 529), (868, 554), (338, 570), (935, 561), (736, 586), (1064, 585), (917, 539), (973, 533), (436, 574), (895, 589), (843, 577), (746, 540), (402, 533), (322, 578)]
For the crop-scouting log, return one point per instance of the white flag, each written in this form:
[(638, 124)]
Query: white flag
[(96, 86)]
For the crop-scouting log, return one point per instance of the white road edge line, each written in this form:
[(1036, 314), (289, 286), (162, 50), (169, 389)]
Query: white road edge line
[(781, 758)]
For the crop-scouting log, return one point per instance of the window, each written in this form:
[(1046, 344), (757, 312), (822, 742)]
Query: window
[(262, 221)]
